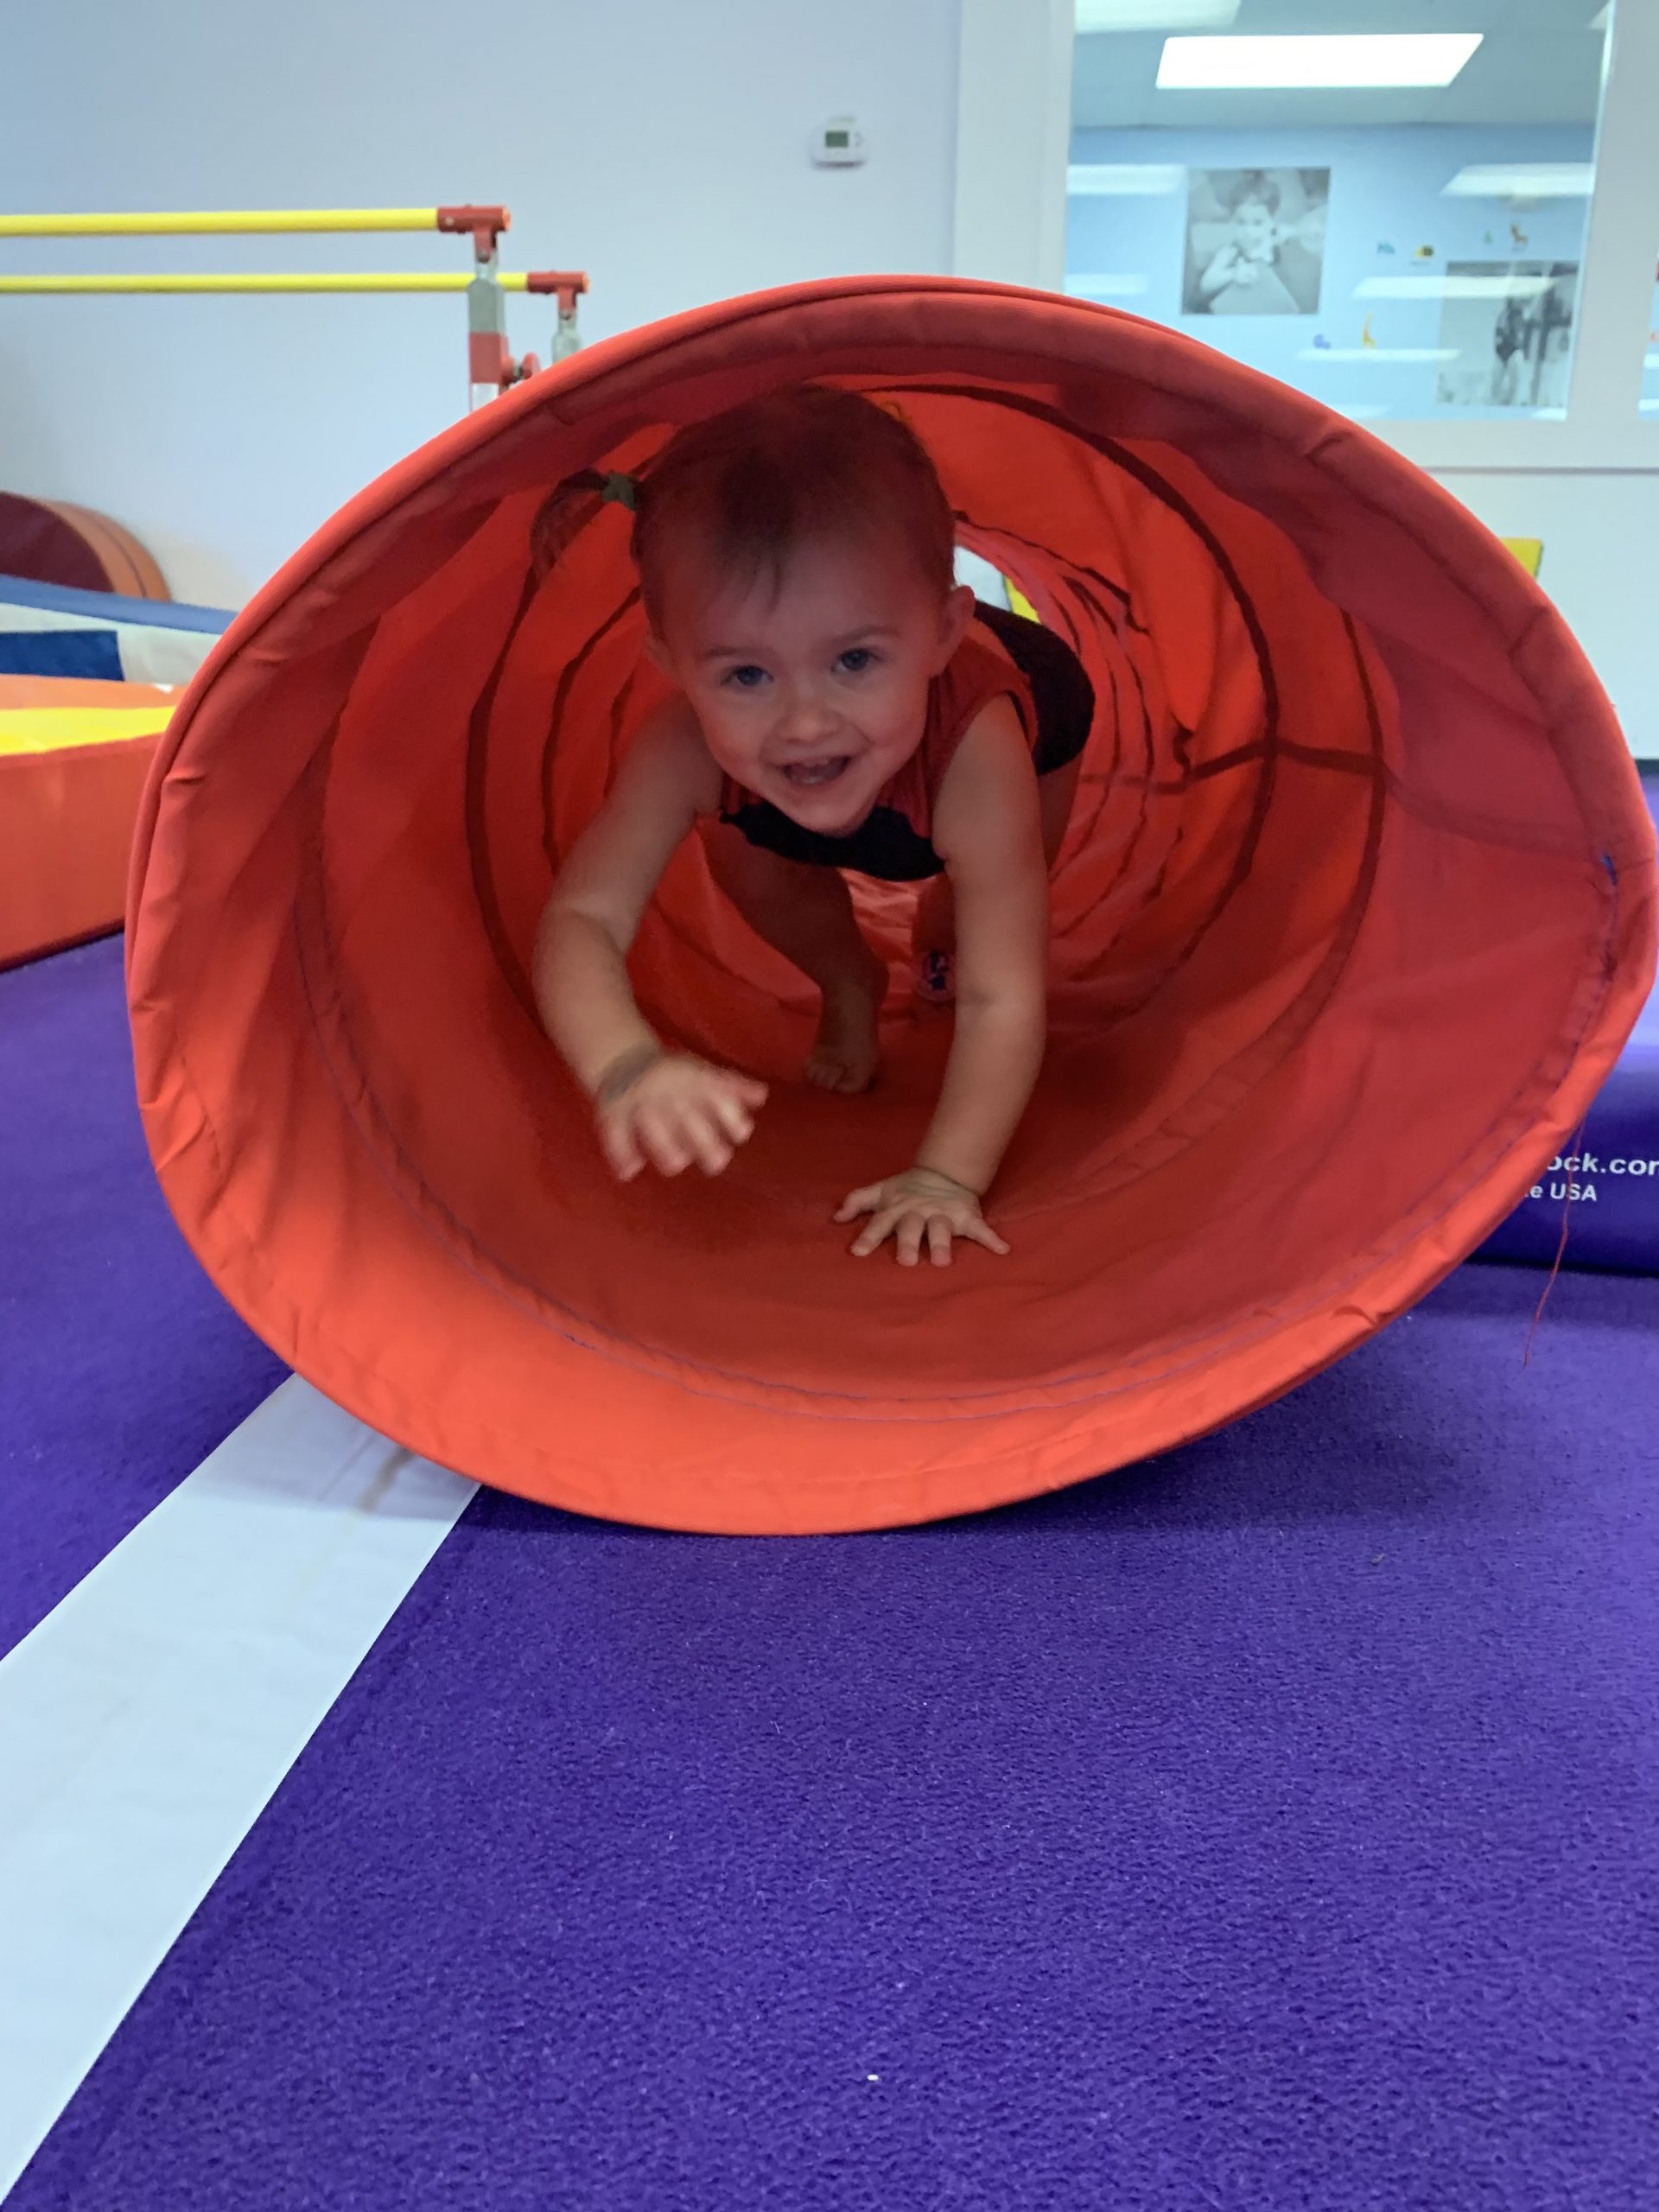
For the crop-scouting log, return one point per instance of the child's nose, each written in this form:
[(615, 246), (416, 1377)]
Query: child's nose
[(806, 716)]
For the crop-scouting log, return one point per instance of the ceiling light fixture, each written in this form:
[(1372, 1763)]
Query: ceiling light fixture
[(1522, 180), (1339, 58), (1155, 16), (1505, 287), (1131, 180)]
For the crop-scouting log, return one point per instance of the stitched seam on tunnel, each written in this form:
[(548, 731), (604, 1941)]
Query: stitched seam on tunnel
[(568, 677), (1111, 778), (1113, 590), (1337, 444), (1540, 614), (478, 745), (1273, 1044), (484, 895), (1141, 785), (1161, 489), (207, 1128), (1132, 464)]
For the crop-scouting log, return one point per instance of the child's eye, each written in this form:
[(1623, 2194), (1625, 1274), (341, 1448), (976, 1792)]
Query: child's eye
[(748, 677), (856, 659)]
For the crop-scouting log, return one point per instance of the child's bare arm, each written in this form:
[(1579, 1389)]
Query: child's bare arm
[(670, 1110), (987, 829), (593, 915)]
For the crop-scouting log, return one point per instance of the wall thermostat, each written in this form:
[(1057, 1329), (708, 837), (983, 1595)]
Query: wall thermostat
[(839, 143)]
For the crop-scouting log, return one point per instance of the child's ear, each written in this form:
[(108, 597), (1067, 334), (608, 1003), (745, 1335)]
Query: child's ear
[(657, 654), (953, 623)]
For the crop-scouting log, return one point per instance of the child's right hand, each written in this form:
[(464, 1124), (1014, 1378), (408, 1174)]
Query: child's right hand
[(675, 1110)]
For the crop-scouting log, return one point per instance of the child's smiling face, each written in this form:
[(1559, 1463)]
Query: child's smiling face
[(811, 688), (1253, 229)]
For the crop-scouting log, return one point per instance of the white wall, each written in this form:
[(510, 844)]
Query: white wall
[(659, 144), (1014, 121)]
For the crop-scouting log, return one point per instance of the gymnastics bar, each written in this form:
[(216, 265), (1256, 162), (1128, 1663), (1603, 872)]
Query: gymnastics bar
[(484, 225), (491, 367), (445, 280)]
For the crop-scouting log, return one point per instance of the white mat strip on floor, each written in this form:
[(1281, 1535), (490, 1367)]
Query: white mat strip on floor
[(146, 1721)]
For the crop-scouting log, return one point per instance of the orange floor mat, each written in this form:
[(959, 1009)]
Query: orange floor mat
[(73, 756)]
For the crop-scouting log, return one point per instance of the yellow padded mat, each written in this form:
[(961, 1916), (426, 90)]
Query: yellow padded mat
[(51, 729)]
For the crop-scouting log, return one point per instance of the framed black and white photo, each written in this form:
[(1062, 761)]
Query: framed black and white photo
[(1254, 241)]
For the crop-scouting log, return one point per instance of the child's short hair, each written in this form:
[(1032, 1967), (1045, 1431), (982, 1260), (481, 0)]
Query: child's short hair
[(1251, 185), (744, 488)]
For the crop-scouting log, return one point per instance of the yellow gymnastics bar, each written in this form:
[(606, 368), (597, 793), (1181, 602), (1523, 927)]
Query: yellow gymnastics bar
[(319, 281), (216, 223)]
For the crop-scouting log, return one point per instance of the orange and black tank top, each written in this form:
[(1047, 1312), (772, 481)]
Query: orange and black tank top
[(1055, 701)]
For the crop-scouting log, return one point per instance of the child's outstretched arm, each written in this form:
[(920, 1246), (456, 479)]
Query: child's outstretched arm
[(669, 1109), (987, 830)]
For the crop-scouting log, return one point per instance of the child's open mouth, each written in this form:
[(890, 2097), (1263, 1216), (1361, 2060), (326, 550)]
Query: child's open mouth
[(812, 775)]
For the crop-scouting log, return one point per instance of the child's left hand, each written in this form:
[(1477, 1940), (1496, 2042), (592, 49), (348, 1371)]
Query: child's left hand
[(918, 1204)]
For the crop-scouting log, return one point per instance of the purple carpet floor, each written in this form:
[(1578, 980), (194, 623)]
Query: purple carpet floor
[(120, 1366), (1271, 1828)]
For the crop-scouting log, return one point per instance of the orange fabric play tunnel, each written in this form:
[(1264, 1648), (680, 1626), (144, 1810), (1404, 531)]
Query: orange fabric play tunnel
[(1357, 908)]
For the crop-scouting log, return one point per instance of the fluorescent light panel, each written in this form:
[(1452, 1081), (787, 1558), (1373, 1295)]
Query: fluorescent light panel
[(1452, 288), (1155, 16), (1522, 180), (1345, 58), (1136, 180)]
